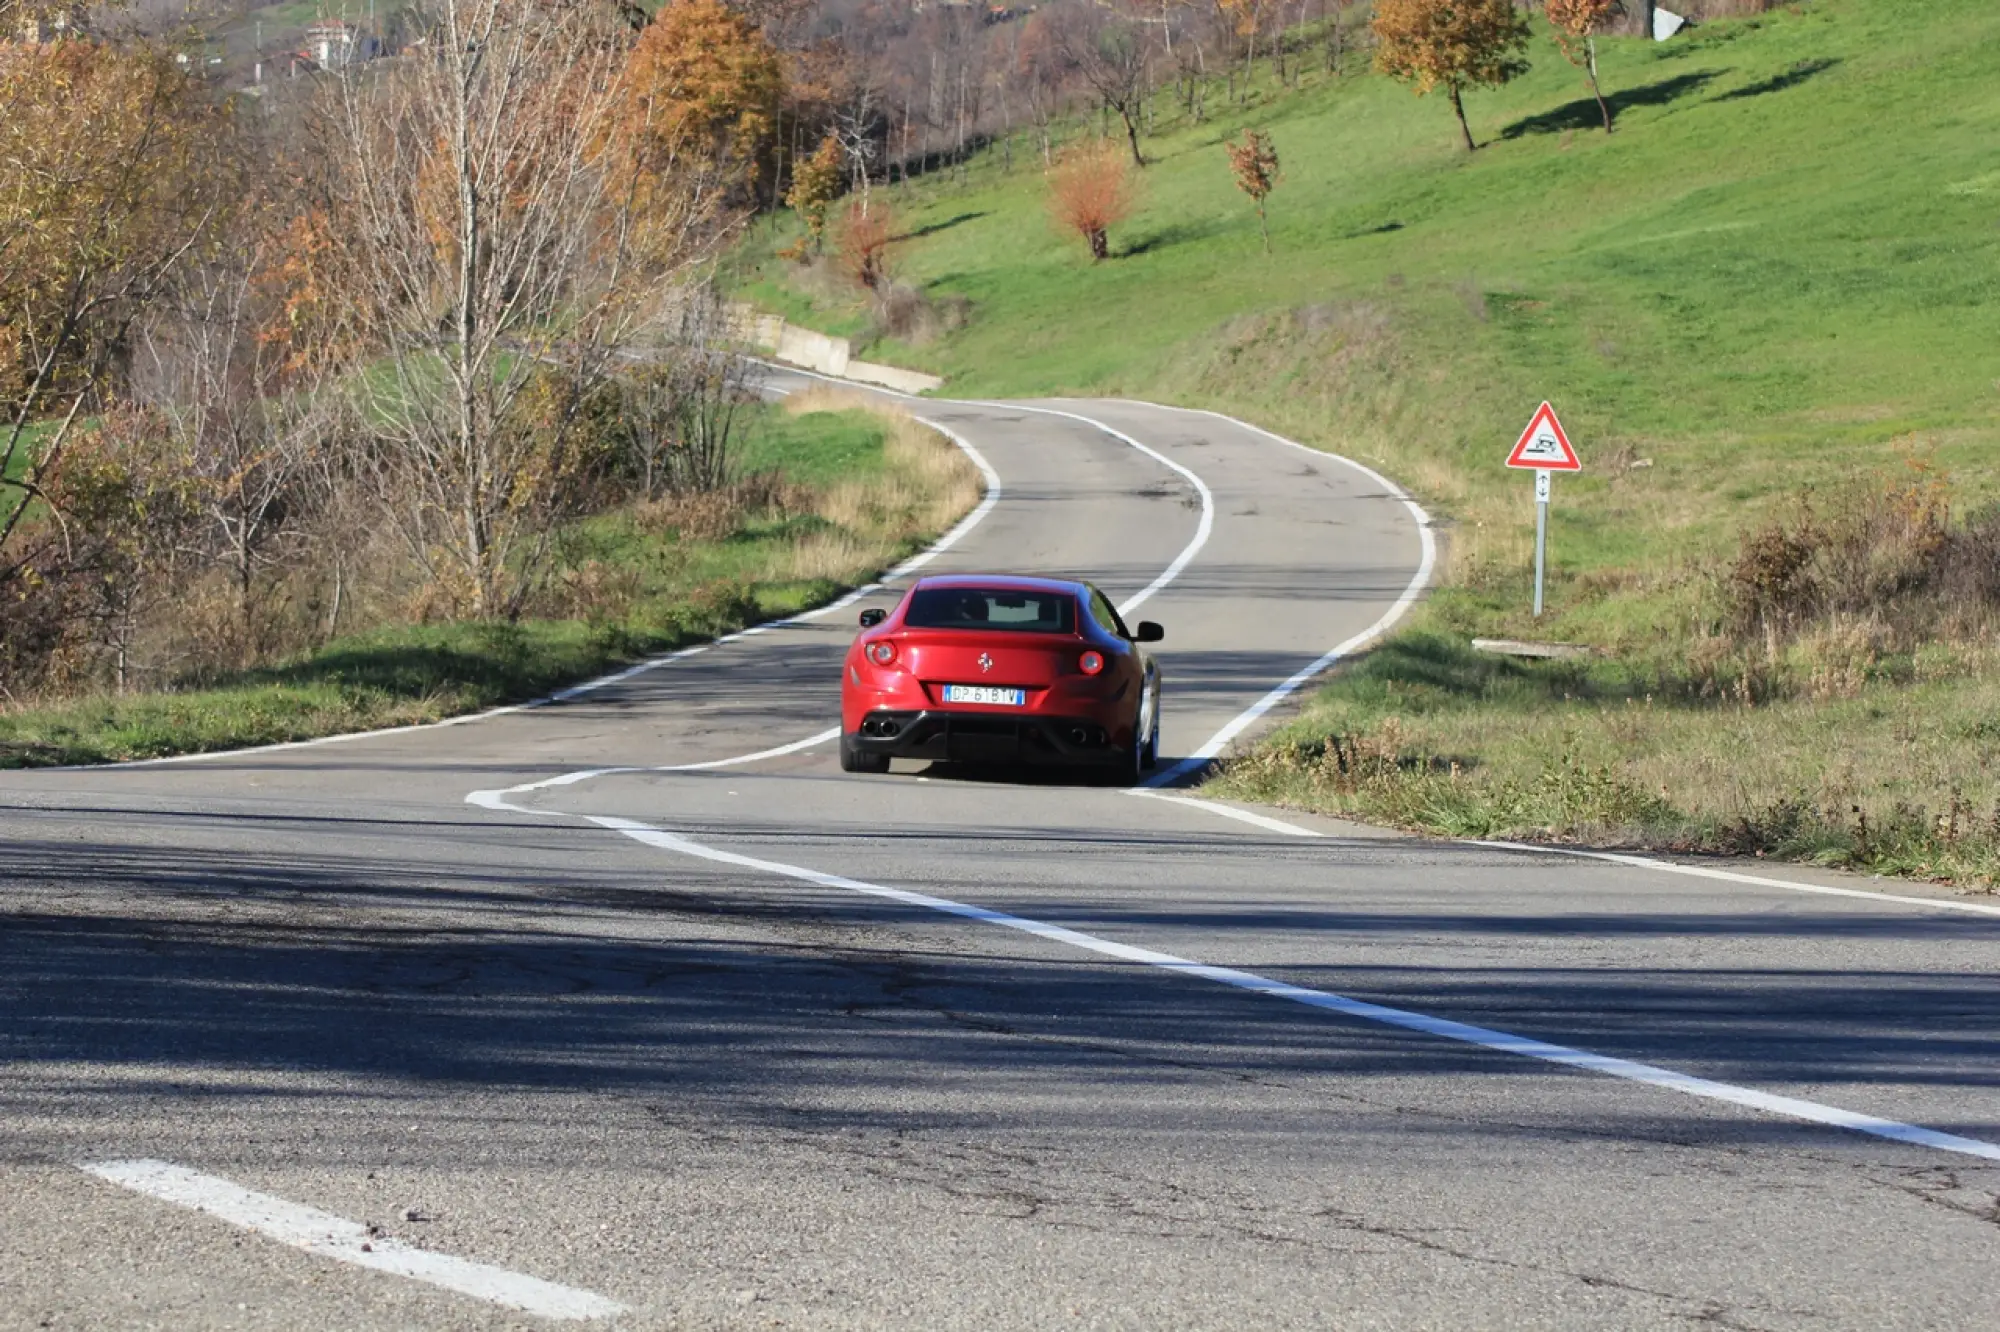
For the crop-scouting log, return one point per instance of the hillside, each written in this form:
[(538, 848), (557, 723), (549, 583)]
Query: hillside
[(1779, 274)]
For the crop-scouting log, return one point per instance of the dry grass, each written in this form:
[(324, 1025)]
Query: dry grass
[(926, 485)]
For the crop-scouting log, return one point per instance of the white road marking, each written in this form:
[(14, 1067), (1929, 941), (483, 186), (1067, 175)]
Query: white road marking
[(327, 1236), (1251, 817), (1485, 1037), (1734, 876), (1203, 528), (498, 799), (1427, 563), (1275, 825)]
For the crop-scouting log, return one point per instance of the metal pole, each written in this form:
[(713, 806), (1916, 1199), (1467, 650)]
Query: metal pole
[(1541, 534)]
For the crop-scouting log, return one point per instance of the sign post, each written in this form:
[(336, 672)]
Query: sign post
[(1545, 449)]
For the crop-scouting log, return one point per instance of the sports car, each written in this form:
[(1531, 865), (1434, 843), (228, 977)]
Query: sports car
[(990, 668)]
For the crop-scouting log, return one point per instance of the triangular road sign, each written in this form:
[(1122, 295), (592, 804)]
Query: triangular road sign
[(1543, 445)]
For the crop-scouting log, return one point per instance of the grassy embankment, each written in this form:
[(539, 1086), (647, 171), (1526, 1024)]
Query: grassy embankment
[(1780, 273), (859, 491)]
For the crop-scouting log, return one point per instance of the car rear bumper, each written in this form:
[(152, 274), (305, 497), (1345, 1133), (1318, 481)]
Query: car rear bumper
[(943, 736)]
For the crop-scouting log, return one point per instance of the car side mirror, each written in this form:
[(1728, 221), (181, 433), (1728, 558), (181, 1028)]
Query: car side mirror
[(1148, 632), (873, 616)]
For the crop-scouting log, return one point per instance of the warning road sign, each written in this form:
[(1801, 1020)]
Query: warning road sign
[(1544, 445)]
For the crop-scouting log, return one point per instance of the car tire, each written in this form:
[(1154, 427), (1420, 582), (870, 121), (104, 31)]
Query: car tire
[(854, 759), (1150, 759), (1131, 764)]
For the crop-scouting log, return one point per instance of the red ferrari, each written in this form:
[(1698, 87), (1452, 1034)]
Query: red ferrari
[(981, 668)]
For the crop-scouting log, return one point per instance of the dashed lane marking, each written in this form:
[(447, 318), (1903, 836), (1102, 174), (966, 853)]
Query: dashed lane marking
[(327, 1236)]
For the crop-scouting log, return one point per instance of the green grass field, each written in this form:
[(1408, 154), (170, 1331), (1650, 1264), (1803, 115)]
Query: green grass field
[(641, 587), (1780, 272)]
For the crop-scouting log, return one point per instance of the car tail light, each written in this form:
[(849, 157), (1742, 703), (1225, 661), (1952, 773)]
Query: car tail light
[(1090, 663), (882, 653)]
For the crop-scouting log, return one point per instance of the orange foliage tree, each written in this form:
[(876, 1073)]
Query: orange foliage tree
[(1450, 44), (112, 178), (701, 81), (815, 181), (1577, 22), (1254, 162), (1091, 190), (866, 234)]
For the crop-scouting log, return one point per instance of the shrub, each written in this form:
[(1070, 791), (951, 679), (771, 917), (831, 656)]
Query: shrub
[(1883, 551), (866, 234), (908, 313), (1091, 190)]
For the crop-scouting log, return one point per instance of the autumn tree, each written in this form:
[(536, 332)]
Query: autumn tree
[(866, 233), (1450, 44), (501, 224), (111, 175), (1577, 23), (1091, 190), (1254, 163), (702, 80), (815, 182), (129, 514), (1248, 18)]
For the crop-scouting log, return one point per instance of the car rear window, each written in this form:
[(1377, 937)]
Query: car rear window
[(991, 608)]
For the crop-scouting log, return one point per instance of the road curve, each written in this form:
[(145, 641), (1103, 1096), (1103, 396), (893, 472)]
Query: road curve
[(633, 1008)]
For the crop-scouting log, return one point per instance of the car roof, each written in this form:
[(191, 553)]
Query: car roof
[(1004, 583)]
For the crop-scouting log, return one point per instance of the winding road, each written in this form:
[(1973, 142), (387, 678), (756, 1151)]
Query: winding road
[(630, 1009)]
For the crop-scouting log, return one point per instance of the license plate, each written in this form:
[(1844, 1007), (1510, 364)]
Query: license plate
[(1012, 698)]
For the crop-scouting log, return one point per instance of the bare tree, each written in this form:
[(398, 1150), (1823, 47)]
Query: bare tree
[(1112, 54), (678, 408), (252, 434), (498, 229)]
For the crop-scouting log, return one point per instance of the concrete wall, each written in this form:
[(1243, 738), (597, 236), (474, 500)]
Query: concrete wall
[(893, 377), (816, 351)]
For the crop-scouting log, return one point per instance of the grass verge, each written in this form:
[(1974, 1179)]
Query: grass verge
[(838, 489), (1426, 734)]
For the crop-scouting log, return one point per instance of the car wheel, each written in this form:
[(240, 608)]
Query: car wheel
[(1151, 758), (854, 759), (1131, 764)]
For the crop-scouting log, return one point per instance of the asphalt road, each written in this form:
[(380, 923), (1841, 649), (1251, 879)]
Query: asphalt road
[(763, 1045)]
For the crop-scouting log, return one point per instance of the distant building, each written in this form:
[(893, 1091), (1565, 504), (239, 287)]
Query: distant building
[(336, 44)]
